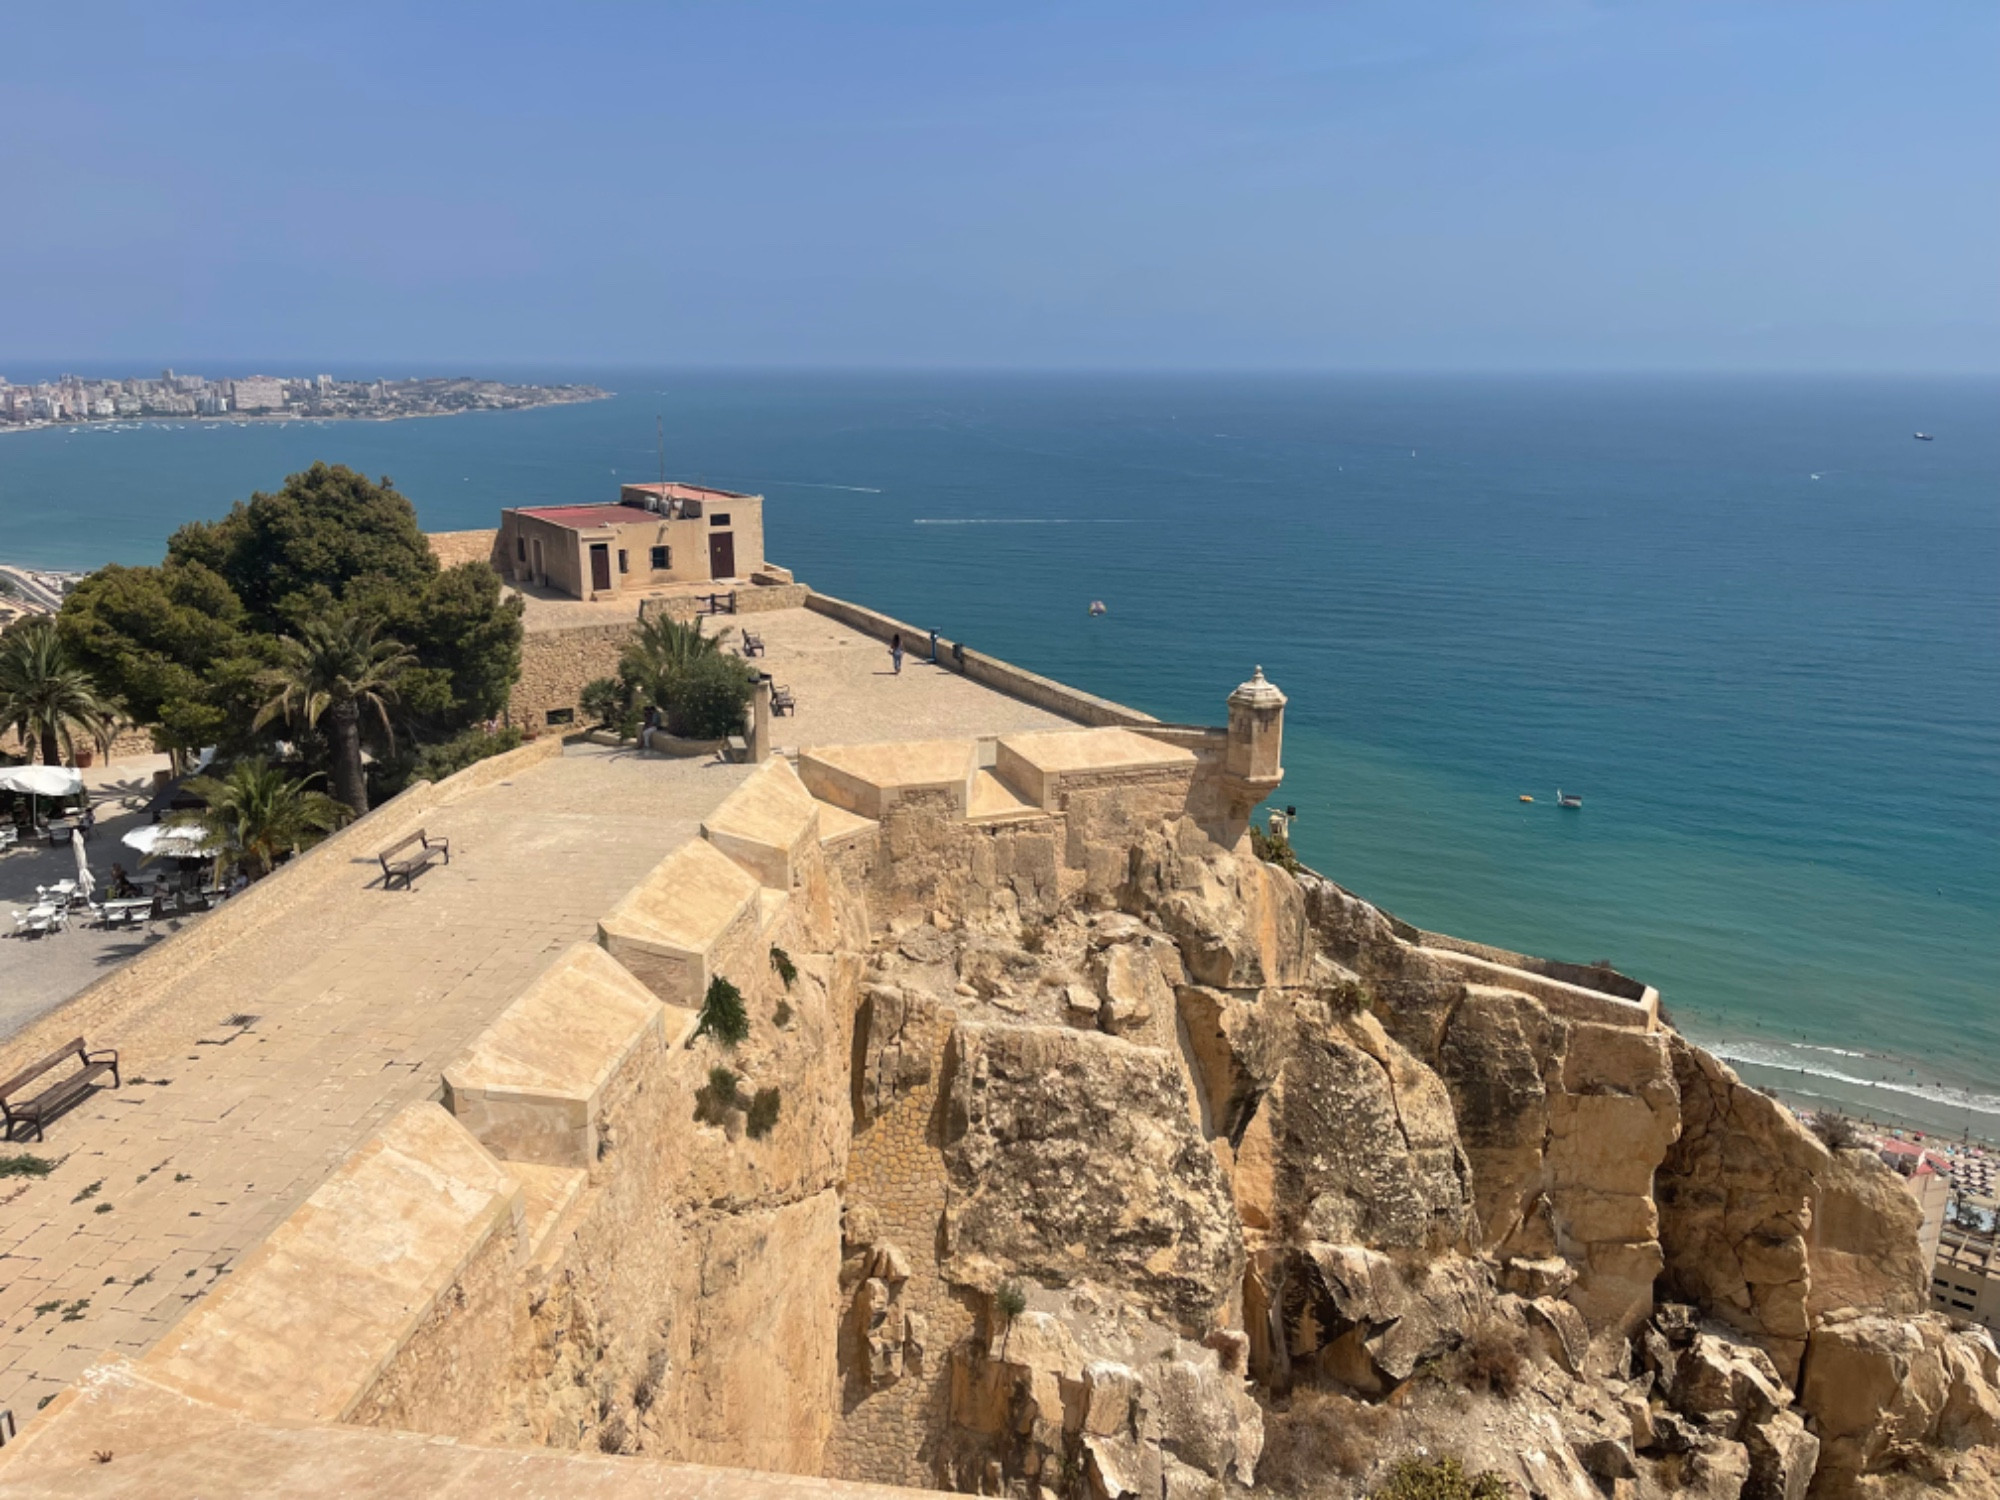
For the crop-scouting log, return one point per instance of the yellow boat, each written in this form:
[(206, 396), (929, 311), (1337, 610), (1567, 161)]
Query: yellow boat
[(1526, 798)]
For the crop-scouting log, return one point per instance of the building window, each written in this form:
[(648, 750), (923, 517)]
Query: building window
[(720, 518), (662, 559), (520, 548), (624, 566), (562, 716)]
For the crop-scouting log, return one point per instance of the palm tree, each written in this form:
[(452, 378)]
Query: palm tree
[(335, 668), (256, 813), (661, 653), (47, 697)]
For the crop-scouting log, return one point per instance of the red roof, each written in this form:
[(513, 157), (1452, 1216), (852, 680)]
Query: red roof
[(581, 517)]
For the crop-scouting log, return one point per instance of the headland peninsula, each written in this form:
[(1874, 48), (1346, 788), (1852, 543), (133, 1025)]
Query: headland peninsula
[(72, 399)]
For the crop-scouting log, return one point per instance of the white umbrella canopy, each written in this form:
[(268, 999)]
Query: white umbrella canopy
[(41, 781), (86, 883), (170, 841)]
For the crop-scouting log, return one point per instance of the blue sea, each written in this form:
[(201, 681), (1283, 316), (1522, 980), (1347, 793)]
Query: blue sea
[(1752, 621)]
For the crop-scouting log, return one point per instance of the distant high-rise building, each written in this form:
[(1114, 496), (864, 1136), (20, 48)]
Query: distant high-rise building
[(258, 393)]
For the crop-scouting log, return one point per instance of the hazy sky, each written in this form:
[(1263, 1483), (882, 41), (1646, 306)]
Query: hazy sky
[(1527, 185)]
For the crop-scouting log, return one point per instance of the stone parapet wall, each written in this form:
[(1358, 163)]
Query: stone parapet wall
[(451, 548), (1005, 677)]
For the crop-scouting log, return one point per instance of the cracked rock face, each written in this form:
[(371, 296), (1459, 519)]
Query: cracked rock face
[(1071, 1155), (1366, 1143)]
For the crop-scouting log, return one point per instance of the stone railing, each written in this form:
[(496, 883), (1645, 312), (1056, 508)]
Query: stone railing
[(1005, 677)]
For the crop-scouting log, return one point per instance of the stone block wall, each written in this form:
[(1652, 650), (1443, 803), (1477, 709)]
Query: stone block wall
[(890, 1426), (451, 548), (555, 667)]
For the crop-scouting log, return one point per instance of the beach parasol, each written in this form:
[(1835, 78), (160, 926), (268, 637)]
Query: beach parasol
[(86, 883)]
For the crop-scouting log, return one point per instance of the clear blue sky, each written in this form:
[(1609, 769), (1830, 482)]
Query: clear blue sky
[(1526, 185)]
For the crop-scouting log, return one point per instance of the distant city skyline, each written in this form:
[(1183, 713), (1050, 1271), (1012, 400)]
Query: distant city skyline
[(1541, 186)]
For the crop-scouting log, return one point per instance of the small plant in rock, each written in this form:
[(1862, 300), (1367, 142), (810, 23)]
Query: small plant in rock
[(782, 962), (1440, 1479), (1010, 1300), (782, 1016), (714, 1100), (1274, 848), (1495, 1358), (1034, 936), (25, 1165), (722, 1014), (1836, 1132), (762, 1115)]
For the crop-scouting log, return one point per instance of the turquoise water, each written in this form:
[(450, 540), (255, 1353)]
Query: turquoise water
[(1779, 694)]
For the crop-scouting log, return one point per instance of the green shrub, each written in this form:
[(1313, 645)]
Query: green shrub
[(1836, 1132), (782, 962), (722, 1014), (1440, 1479), (435, 762), (24, 1165), (1274, 848), (608, 700), (706, 699), (763, 1113), (1011, 1300)]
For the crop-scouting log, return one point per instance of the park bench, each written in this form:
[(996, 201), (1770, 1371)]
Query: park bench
[(753, 645), (37, 1109), (782, 701), (397, 865)]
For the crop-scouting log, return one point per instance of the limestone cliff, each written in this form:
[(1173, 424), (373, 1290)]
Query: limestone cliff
[(1206, 1139)]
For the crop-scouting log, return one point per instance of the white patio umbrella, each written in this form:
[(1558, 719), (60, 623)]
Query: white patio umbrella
[(169, 841), (39, 782), (86, 883)]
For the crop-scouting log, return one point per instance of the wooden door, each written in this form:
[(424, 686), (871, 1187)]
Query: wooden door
[(722, 554), (600, 565)]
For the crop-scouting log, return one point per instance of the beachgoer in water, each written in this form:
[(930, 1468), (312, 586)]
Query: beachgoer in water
[(896, 652)]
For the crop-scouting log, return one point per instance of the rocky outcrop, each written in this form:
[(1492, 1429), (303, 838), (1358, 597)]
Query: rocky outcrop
[(1071, 1156), (1903, 1397), (1073, 1381), (1366, 1144), (1736, 1196), (1862, 1247)]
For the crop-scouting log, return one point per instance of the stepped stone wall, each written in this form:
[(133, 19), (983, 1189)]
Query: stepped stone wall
[(1080, 1152)]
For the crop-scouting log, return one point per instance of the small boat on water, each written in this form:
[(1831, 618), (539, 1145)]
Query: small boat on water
[(1526, 798), (1923, 437), (1097, 607), (1567, 799)]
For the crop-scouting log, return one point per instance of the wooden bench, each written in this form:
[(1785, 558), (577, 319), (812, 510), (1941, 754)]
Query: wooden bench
[(397, 865), (753, 645), (37, 1109), (782, 701)]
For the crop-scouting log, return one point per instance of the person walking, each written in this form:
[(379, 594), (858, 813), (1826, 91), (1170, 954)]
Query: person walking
[(896, 652)]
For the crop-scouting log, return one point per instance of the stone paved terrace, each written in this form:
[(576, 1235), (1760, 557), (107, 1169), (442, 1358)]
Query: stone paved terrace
[(847, 694), (361, 997)]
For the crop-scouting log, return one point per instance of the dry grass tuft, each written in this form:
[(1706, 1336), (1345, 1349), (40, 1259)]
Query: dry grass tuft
[(1320, 1436), (1495, 1358)]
